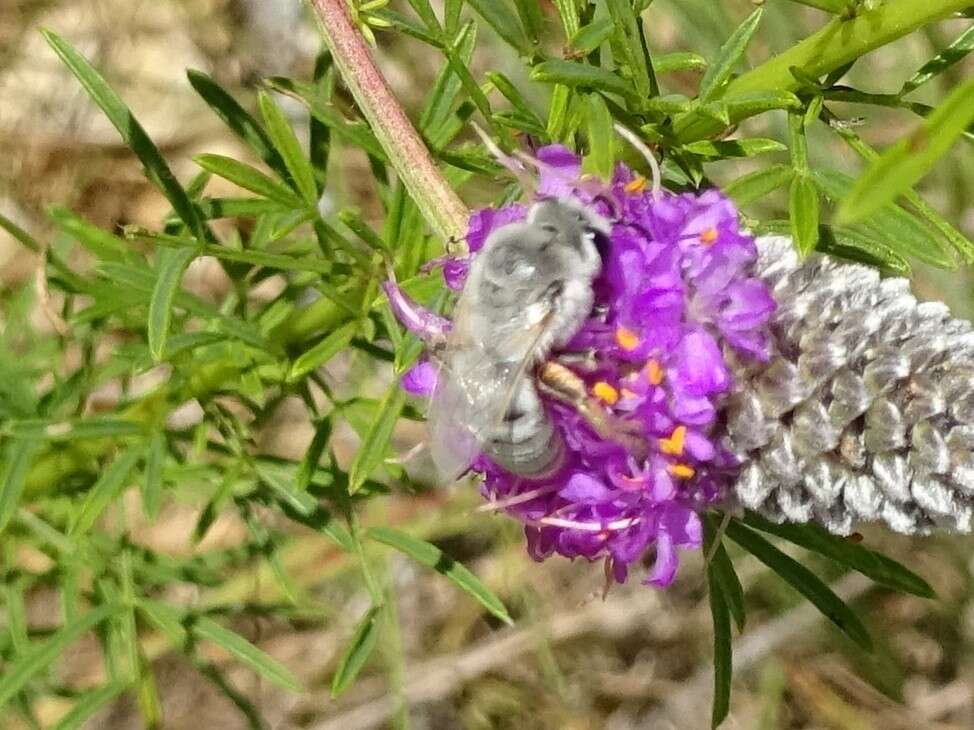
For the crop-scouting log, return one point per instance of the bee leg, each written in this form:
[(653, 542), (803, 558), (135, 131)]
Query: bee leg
[(583, 360), (560, 383)]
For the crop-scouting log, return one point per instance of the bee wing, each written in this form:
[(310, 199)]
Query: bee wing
[(475, 388)]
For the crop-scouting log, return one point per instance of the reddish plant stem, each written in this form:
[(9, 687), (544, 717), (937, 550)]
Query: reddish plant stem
[(440, 205)]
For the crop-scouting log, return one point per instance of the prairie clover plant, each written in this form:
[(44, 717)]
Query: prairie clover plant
[(785, 387)]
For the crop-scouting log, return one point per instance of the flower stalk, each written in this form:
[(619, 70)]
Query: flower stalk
[(440, 205)]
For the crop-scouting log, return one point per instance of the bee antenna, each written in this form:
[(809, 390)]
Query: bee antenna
[(641, 147), (509, 162)]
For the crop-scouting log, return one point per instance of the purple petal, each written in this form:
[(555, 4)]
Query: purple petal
[(419, 320), (584, 489), (420, 379)]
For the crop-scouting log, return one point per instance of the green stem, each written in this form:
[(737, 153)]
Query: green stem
[(440, 205), (841, 41)]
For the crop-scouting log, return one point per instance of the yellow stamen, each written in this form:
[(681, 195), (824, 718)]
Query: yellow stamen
[(674, 444), (654, 372), (605, 393), (708, 236), (636, 185), (627, 339), (682, 471)]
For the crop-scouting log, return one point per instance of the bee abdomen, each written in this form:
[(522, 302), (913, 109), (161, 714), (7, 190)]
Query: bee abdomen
[(526, 442)]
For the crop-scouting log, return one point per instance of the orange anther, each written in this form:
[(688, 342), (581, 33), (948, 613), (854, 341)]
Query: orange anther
[(674, 444)]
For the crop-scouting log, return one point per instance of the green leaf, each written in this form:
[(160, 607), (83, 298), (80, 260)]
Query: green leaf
[(155, 458), (102, 244), (906, 162), (723, 652), (514, 96), (372, 451), (601, 137), (88, 703), (729, 56), (209, 630), (322, 352), (104, 491), (632, 47), (302, 175), (876, 566), (836, 7), (754, 186), (532, 19), (249, 178), (723, 149), (802, 580), (439, 107), (722, 570), (891, 224), (132, 133), (803, 212), (19, 234), (680, 61), (312, 456), (558, 108), (23, 669), (357, 652), (575, 74), (499, 16), (240, 122), (952, 54), (170, 267), (167, 619), (425, 12), (591, 36), (432, 557), (13, 474), (281, 483)]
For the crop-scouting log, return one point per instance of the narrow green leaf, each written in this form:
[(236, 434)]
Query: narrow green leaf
[(104, 491), (723, 652), (309, 463), (803, 211), (680, 61), (18, 673), (282, 485), (877, 566), (952, 54), (432, 557), (301, 173), (322, 352), (102, 244), (802, 580), (591, 36), (576, 74), (906, 162), (209, 630), (601, 137), (17, 456), (558, 111), (439, 106), (529, 11), (357, 652), (19, 234), (170, 266), (722, 570), (425, 12), (513, 95), (155, 457), (631, 45), (249, 178), (754, 186), (240, 122), (167, 619), (723, 149), (15, 615), (729, 56), (499, 16), (568, 12), (87, 704), (891, 224), (131, 131), (92, 427), (836, 7), (372, 451)]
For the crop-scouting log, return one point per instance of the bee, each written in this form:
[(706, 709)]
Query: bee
[(528, 292)]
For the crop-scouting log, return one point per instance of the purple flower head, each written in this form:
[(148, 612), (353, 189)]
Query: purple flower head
[(676, 294)]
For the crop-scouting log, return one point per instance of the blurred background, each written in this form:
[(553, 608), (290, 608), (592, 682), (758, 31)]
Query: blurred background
[(638, 659)]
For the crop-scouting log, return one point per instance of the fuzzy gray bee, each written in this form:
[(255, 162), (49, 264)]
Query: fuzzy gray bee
[(528, 291)]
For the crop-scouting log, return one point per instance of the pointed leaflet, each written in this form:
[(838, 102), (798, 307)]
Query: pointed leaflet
[(432, 557), (171, 264), (357, 652), (728, 57), (804, 213), (372, 451), (722, 570), (241, 649), (955, 52), (104, 491), (906, 162), (302, 175), (132, 133), (723, 651), (87, 704), (16, 455), (499, 16), (249, 178)]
